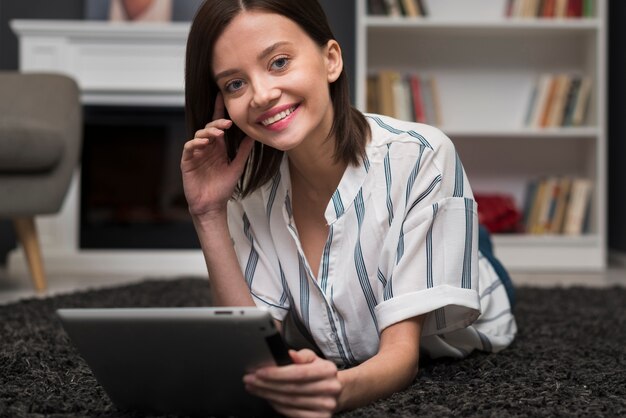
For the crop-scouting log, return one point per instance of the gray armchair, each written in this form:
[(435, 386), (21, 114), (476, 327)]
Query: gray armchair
[(40, 141)]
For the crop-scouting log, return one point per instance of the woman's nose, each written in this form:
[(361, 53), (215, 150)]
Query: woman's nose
[(264, 93)]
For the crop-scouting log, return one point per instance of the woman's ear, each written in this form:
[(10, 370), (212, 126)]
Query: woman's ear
[(334, 60)]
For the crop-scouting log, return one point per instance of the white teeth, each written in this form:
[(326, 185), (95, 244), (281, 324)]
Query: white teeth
[(278, 116)]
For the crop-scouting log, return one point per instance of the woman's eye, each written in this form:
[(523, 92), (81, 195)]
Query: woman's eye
[(233, 86), (279, 63)]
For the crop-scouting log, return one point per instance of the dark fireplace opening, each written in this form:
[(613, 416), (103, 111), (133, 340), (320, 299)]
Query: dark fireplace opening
[(131, 193)]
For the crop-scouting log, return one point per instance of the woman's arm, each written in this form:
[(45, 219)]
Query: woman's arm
[(228, 286), (392, 369), (312, 387), (209, 179)]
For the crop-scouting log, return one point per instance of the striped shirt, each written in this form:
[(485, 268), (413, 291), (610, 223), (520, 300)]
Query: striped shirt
[(402, 242)]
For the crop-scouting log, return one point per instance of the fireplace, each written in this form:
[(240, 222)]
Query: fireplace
[(131, 79), (131, 194)]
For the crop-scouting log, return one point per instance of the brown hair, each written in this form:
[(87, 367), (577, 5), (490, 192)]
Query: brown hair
[(349, 127)]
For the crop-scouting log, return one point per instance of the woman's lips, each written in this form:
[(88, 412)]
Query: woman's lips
[(279, 116)]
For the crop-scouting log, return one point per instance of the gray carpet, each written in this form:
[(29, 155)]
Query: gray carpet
[(569, 359)]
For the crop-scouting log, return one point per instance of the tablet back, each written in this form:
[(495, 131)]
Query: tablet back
[(188, 361)]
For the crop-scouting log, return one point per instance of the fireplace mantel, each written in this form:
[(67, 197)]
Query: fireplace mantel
[(115, 64)]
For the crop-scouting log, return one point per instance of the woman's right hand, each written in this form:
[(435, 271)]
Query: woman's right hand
[(209, 178)]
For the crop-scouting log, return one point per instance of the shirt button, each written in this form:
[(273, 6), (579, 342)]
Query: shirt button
[(332, 336)]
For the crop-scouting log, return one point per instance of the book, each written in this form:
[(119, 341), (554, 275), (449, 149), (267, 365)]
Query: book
[(529, 199), (560, 9), (588, 8), (542, 220), (402, 99), (410, 8), (570, 101), (508, 10), (376, 7), (574, 8), (386, 104), (393, 8), (562, 200), (543, 88), (582, 101), (422, 7), (434, 86), (532, 102), (372, 94), (579, 206), (548, 8), (416, 95), (427, 98), (555, 116), (535, 209), (547, 104)]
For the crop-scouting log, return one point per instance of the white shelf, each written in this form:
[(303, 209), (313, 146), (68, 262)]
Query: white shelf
[(486, 65), (574, 133), (456, 24)]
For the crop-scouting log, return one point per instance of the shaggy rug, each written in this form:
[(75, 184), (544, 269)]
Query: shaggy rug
[(569, 359)]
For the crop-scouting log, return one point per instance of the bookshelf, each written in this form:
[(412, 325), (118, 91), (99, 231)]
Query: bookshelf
[(486, 66)]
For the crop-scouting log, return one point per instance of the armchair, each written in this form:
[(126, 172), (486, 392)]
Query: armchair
[(40, 141)]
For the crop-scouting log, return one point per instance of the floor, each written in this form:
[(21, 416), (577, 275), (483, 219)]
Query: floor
[(16, 288)]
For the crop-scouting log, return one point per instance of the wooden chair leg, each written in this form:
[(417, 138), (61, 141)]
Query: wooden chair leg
[(27, 235)]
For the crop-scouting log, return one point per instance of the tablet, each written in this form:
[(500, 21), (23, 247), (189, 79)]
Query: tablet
[(184, 361)]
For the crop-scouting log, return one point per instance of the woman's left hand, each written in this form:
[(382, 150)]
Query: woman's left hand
[(307, 388)]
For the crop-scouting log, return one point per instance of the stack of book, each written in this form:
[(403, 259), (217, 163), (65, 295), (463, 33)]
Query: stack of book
[(550, 8), (396, 8), (409, 97), (558, 100), (557, 205)]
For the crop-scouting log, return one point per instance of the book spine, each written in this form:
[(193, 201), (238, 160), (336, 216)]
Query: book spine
[(582, 101), (418, 103)]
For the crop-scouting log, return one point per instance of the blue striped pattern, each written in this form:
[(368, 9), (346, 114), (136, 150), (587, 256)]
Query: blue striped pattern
[(337, 203), (426, 192), (381, 278), (361, 270), (458, 177), (388, 292), (304, 291), (429, 249), (272, 197), (326, 260), (288, 206), (253, 257), (388, 182), (366, 164), (393, 130), (344, 351), (466, 280), (413, 176), (422, 196), (286, 295)]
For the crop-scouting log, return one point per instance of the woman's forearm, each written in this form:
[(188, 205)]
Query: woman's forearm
[(377, 378), (389, 371), (228, 286)]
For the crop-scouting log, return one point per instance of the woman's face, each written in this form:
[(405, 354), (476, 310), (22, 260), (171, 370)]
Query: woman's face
[(274, 79)]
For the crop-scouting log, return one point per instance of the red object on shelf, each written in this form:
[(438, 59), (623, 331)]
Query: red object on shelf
[(498, 213)]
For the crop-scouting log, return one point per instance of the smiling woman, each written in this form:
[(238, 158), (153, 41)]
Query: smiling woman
[(357, 232)]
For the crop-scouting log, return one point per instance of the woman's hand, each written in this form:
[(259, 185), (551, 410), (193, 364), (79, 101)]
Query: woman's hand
[(307, 388), (209, 179)]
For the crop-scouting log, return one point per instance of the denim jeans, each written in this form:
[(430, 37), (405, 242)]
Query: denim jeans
[(486, 248)]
